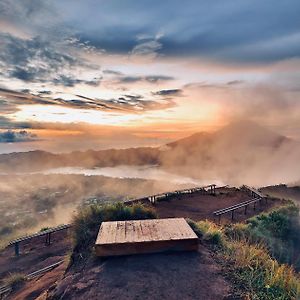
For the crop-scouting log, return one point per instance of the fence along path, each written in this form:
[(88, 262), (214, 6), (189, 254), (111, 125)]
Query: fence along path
[(256, 197), (46, 233), (5, 289), (211, 189)]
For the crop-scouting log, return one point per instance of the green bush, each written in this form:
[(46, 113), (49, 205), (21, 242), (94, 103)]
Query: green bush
[(88, 220)]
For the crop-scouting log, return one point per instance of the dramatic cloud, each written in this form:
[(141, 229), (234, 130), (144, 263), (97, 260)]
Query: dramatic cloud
[(164, 64), (248, 31), (123, 104), (16, 136)]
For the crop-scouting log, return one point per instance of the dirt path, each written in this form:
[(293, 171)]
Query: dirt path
[(200, 207), (184, 275)]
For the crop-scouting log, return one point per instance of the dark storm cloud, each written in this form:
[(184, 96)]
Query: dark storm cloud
[(39, 60), (71, 81), (46, 92), (235, 82), (249, 31), (172, 92), (6, 123), (149, 78), (126, 103), (205, 85), (10, 136), (112, 72)]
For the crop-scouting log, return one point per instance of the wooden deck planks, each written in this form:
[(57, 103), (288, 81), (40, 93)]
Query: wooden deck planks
[(144, 236)]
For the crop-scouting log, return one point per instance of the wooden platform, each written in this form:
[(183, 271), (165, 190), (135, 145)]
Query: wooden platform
[(145, 236)]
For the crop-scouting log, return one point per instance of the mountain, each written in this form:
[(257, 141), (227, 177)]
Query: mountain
[(239, 152), (242, 149)]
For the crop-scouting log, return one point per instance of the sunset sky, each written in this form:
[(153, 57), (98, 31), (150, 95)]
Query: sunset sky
[(101, 74)]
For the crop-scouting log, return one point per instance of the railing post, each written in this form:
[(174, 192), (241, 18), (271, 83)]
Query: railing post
[(17, 249)]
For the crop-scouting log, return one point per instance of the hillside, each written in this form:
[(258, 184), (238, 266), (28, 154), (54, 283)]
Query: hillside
[(229, 260)]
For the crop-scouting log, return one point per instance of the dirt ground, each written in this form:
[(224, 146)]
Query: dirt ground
[(36, 288), (181, 275), (201, 206), (34, 254)]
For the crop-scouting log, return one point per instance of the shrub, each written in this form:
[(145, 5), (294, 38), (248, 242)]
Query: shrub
[(195, 227), (44, 229), (88, 220), (278, 230), (210, 232)]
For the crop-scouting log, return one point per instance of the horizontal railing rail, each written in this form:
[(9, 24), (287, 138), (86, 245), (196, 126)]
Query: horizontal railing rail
[(236, 206), (40, 233), (8, 288), (254, 191)]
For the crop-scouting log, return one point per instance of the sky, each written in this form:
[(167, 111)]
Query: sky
[(78, 75)]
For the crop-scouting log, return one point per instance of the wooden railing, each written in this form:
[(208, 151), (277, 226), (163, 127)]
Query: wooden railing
[(4, 290), (233, 208), (254, 192), (46, 233), (256, 195), (211, 189)]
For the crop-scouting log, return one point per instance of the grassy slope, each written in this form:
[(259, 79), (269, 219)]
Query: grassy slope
[(251, 253)]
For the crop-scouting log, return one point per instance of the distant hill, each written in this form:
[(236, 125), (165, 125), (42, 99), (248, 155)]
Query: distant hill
[(284, 191), (239, 152), (41, 160)]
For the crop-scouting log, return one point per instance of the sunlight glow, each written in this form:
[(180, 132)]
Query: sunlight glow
[(57, 114)]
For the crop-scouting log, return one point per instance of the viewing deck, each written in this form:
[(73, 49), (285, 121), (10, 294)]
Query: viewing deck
[(145, 236)]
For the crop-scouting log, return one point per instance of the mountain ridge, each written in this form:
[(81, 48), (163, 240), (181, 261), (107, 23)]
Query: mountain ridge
[(239, 149)]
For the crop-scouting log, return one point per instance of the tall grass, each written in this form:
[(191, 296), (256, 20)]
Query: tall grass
[(247, 257), (277, 230), (259, 274)]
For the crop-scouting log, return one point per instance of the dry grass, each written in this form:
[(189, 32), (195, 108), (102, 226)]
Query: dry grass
[(14, 280), (260, 274), (248, 262)]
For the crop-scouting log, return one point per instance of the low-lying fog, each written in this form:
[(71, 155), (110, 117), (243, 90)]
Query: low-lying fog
[(136, 172)]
